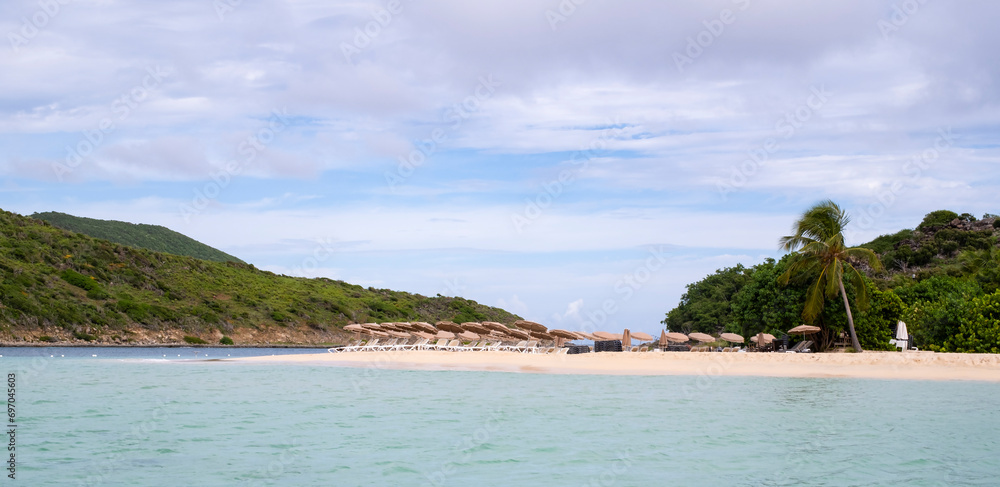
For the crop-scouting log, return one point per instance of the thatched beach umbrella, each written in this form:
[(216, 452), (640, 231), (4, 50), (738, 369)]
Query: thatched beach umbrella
[(424, 327), (603, 335), (626, 340), (356, 328), (424, 335), (762, 339), (450, 326), (731, 337), (644, 337), (702, 337), (519, 334), (468, 336), (444, 335), (804, 330), (563, 335), (476, 328), (493, 325), (530, 326), (542, 335), (676, 337)]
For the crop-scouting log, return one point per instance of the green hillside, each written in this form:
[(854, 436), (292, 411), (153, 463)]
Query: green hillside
[(151, 237), (941, 278), (59, 285)]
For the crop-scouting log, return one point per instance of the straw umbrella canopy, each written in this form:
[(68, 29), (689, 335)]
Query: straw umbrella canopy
[(449, 326), (356, 328), (376, 333), (530, 326), (603, 335), (424, 327), (371, 326), (407, 326), (701, 337), (731, 337), (476, 328), (569, 335), (541, 335), (518, 334), (446, 335), (561, 335), (398, 334), (493, 325), (676, 337), (762, 338), (643, 337), (468, 335), (424, 335), (804, 330)]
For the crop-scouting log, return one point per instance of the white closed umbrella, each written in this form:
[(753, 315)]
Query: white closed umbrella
[(902, 335)]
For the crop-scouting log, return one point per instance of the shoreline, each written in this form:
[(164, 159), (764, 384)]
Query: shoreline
[(867, 365)]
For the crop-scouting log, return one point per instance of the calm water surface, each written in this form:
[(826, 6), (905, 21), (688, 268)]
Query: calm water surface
[(139, 419)]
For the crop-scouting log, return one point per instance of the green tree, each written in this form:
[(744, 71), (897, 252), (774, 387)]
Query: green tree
[(705, 307), (820, 254), (937, 218), (763, 305)]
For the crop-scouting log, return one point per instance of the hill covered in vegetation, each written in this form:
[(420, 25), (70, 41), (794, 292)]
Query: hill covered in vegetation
[(62, 286), (151, 237), (941, 278)]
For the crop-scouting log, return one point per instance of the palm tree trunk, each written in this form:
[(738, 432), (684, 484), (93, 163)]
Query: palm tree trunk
[(850, 319)]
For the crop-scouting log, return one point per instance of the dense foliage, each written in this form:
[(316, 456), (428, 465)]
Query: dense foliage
[(946, 292), (151, 237), (96, 289), (705, 307)]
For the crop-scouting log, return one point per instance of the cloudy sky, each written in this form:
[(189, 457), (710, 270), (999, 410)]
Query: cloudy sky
[(576, 162)]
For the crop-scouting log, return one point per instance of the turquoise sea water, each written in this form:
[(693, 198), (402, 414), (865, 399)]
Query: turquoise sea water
[(147, 421)]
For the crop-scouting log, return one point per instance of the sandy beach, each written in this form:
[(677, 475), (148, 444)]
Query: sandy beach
[(871, 365)]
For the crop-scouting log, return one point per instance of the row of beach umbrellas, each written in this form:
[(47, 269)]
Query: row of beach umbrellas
[(528, 330)]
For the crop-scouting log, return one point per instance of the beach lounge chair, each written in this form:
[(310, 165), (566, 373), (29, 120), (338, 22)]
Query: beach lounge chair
[(801, 347), (517, 347), (531, 347), (343, 348), (440, 345), (454, 345), (644, 348), (417, 345)]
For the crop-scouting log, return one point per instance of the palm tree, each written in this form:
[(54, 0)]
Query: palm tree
[(821, 254)]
